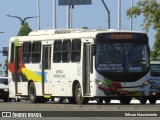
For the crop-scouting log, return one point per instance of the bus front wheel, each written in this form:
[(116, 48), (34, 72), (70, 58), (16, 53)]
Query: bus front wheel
[(125, 101), (143, 100), (152, 100), (78, 95), (32, 93)]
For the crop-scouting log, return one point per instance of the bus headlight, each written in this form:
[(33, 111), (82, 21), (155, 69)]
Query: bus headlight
[(145, 84), (6, 90), (153, 93)]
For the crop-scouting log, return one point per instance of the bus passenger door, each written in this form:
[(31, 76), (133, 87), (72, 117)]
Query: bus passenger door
[(86, 68), (46, 69), (17, 69)]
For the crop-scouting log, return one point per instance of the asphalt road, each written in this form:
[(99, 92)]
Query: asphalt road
[(92, 106), (91, 111)]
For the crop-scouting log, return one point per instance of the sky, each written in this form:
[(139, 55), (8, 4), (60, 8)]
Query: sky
[(92, 16)]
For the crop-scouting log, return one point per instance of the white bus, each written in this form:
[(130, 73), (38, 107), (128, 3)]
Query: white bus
[(80, 65)]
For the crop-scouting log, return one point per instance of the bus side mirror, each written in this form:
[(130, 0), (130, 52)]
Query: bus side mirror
[(93, 49)]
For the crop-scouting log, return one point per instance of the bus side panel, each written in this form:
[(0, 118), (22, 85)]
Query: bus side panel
[(31, 73), (58, 80), (74, 75), (38, 86), (63, 77)]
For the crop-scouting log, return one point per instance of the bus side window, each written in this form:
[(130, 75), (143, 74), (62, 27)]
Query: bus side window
[(12, 53), (76, 50), (36, 52), (57, 51), (26, 52), (66, 52)]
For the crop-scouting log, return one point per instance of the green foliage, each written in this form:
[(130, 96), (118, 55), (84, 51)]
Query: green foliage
[(84, 27), (150, 9), (24, 30)]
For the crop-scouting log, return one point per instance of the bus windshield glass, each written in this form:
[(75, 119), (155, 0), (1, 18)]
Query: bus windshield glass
[(122, 57), (122, 61)]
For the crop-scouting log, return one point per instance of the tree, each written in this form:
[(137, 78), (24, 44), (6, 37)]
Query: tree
[(150, 9), (85, 28), (24, 30)]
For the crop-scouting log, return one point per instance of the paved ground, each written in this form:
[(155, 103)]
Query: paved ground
[(113, 110), (92, 106)]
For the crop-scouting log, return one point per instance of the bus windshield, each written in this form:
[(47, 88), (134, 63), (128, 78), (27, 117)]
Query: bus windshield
[(122, 58)]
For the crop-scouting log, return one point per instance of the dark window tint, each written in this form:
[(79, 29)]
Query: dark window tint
[(66, 52), (57, 51), (47, 57), (36, 52), (26, 52), (76, 50), (12, 53)]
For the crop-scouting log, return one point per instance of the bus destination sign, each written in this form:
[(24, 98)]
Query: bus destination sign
[(121, 36)]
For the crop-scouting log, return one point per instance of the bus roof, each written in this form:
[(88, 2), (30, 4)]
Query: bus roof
[(67, 33)]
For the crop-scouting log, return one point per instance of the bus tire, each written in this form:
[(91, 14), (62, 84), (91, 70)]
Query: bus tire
[(78, 95), (143, 100), (125, 101), (32, 93), (152, 100)]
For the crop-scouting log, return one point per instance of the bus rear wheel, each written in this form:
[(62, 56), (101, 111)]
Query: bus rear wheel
[(78, 95), (32, 93)]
